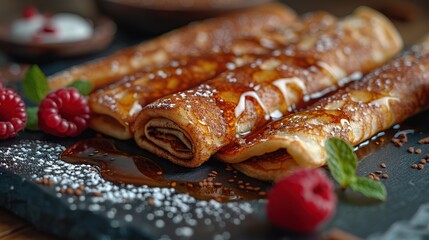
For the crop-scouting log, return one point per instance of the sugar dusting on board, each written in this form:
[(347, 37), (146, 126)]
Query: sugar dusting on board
[(82, 188), (414, 228), (123, 168)]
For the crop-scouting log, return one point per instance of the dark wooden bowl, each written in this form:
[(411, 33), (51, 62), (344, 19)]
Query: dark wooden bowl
[(104, 30)]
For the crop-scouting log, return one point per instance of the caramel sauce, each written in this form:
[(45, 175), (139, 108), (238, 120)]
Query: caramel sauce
[(123, 168)]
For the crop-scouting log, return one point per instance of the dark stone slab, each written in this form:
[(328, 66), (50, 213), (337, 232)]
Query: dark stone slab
[(125, 211)]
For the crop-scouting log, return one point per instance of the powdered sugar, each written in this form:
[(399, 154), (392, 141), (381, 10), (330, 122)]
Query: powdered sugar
[(149, 208)]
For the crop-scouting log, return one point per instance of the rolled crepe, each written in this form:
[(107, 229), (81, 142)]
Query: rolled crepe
[(190, 126), (210, 35), (114, 108), (383, 98)]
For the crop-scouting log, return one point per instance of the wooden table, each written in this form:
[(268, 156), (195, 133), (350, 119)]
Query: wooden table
[(14, 228)]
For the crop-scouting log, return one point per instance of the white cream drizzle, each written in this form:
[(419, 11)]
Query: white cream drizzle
[(383, 101), (380, 134), (241, 106), (335, 71), (319, 94), (363, 144), (352, 77), (404, 132), (282, 83), (136, 108), (344, 122), (276, 114)]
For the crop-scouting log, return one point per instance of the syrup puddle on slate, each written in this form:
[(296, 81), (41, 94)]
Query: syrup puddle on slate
[(413, 125), (123, 168)]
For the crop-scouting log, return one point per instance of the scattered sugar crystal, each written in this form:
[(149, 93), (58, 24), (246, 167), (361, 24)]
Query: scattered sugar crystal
[(114, 223), (128, 218), (150, 217), (184, 232), (127, 203), (159, 223)]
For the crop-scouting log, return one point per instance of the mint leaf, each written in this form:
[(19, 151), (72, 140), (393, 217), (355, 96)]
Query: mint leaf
[(369, 188), (82, 86), (35, 84), (32, 123), (342, 161)]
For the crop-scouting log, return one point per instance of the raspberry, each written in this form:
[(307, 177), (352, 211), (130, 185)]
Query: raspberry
[(63, 113), (12, 113), (301, 201), (48, 28), (29, 12)]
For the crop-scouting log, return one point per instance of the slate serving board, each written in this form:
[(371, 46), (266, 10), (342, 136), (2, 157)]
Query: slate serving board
[(126, 211)]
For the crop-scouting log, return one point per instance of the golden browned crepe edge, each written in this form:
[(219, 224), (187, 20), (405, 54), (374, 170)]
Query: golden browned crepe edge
[(123, 62), (298, 146), (302, 154), (110, 126), (390, 29), (268, 166), (270, 171)]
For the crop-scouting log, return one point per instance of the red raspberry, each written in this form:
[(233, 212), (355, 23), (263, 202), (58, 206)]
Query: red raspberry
[(301, 201), (48, 28), (12, 113), (63, 113), (29, 12)]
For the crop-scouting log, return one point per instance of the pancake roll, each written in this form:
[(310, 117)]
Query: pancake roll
[(190, 126), (387, 96), (210, 35)]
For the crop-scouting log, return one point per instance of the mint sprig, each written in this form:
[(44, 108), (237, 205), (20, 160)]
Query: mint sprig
[(32, 118), (369, 188), (84, 87), (35, 84), (342, 163), (36, 87)]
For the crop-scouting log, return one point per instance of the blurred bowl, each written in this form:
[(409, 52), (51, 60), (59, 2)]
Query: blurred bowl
[(150, 17), (104, 30)]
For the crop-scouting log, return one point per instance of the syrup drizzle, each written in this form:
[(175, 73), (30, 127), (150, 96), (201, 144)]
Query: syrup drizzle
[(383, 101), (123, 168)]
